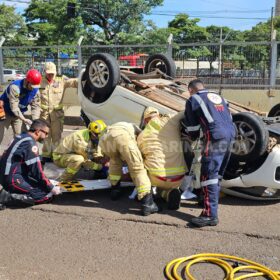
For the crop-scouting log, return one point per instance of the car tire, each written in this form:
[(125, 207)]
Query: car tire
[(275, 111), (252, 138), (162, 62), (103, 75)]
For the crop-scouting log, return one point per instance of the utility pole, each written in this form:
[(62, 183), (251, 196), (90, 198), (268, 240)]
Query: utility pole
[(2, 40), (79, 50), (273, 53), (271, 24), (220, 52), (277, 8)]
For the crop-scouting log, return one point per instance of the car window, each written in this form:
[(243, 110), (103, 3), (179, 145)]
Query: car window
[(19, 72), (7, 72)]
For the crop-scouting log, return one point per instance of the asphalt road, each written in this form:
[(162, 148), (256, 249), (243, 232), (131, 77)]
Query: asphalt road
[(87, 236)]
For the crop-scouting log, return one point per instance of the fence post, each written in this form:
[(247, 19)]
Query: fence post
[(169, 45), (2, 40), (79, 51), (58, 61), (273, 61)]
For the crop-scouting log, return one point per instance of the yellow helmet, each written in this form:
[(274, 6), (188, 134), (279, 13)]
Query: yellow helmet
[(150, 111), (97, 126)]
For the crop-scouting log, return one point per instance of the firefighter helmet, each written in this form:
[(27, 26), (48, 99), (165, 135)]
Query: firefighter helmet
[(97, 126), (34, 77), (150, 111)]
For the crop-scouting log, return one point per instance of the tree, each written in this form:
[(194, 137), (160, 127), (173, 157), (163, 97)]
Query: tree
[(257, 56), (155, 35), (12, 26), (232, 54), (49, 20), (115, 16), (186, 30)]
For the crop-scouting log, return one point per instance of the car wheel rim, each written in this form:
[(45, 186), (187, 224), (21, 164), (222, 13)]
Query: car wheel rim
[(245, 140), (157, 64), (98, 73)]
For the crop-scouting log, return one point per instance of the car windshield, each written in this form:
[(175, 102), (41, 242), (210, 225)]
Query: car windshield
[(19, 72)]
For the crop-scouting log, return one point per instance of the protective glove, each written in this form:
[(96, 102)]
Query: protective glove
[(90, 165), (56, 190), (28, 122)]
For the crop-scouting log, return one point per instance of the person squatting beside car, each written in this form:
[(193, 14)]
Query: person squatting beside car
[(209, 111), (79, 149), (21, 172), (52, 89), (161, 146), (16, 98), (118, 142)]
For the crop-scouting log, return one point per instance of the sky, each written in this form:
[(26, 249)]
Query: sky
[(236, 14)]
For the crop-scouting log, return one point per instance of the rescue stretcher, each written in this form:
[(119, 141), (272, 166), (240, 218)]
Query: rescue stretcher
[(87, 185)]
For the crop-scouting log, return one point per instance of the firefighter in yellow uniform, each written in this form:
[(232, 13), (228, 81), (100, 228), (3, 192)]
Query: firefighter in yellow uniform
[(52, 89), (76, 150), (118, 142), (162, 150)]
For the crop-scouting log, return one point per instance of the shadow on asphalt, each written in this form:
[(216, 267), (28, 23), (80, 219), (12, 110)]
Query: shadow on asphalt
[(101, 199), (230, 200)]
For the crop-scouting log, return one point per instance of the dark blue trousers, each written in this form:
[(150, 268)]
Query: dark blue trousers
[(21, 185), (214, 160)]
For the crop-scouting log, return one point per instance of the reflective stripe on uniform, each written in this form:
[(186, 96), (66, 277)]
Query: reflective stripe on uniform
[(203, 108), (58, 107), (193, 128), (96, 166), (71, 170), (114, 177), (9, 160), (45, 107), (171, 179), (143, 189), (31, 161), (56, 156), (167, 171), (209, 182)]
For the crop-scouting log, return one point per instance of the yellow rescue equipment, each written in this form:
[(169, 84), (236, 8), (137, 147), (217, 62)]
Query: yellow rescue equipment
[(172, 271)]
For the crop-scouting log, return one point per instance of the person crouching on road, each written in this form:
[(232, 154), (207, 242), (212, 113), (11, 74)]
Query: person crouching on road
[(76, 150), (52, 90), (22, 175), (162, 150), (209, 111), (16, 98), (118, 142)]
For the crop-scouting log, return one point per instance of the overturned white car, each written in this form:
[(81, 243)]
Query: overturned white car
[(108, 93)]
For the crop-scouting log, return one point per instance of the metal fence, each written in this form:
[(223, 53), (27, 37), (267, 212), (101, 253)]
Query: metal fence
[(230, 64)]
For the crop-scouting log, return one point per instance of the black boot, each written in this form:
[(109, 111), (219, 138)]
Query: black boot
[(204, 221), (5, 197), (148, 205), (14, 199), (174, 199), (116, 192), (21, 200)]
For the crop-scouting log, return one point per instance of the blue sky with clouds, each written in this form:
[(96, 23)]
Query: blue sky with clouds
[(236, 14)]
